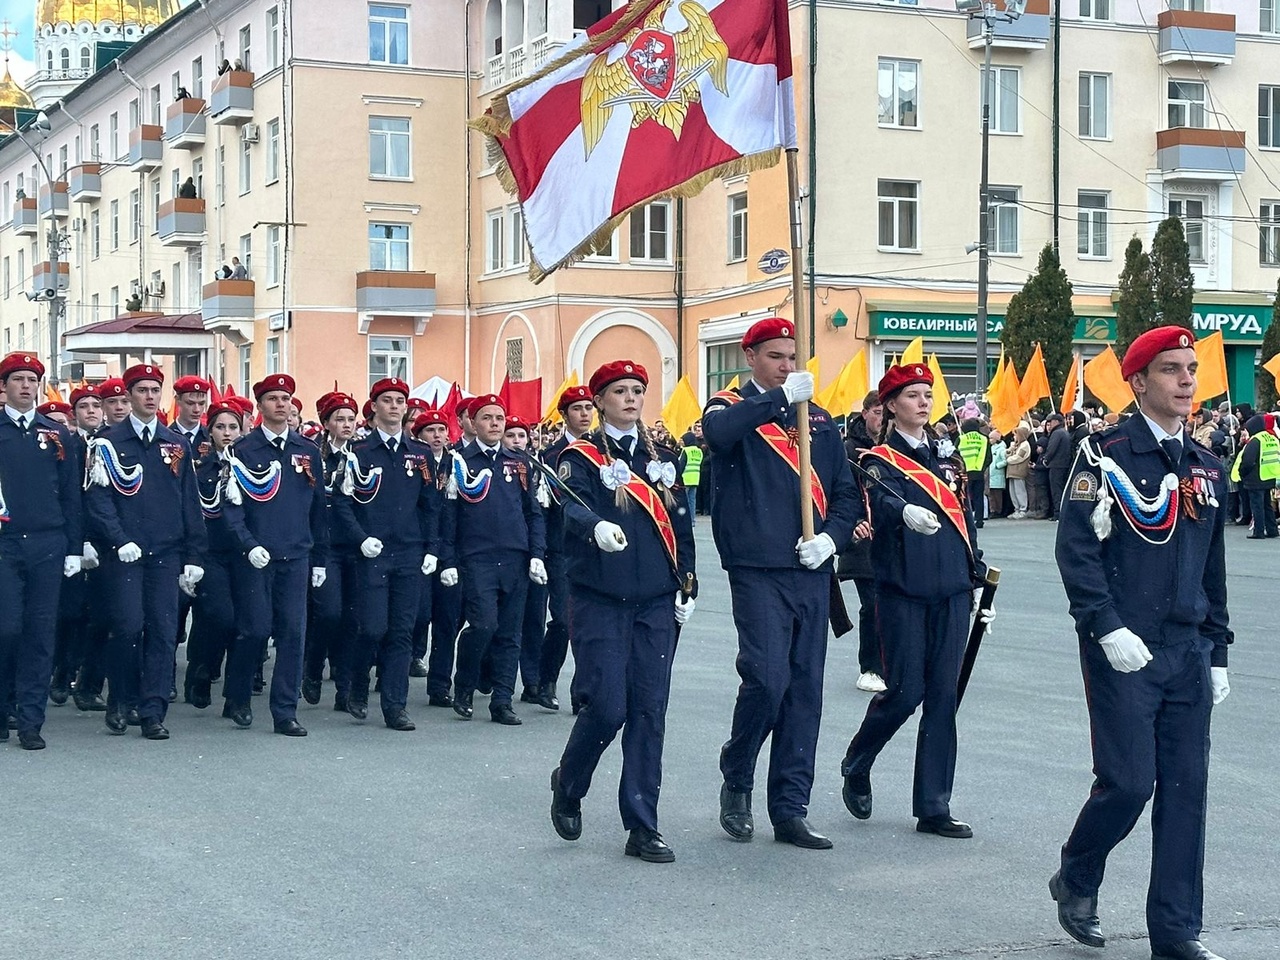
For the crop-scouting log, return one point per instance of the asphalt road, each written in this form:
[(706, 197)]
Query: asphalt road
[(363, 842)]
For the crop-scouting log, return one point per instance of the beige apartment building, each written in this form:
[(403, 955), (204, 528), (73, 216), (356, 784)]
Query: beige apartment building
[(333, 161)]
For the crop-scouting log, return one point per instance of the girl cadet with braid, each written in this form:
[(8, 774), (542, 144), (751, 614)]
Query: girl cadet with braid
[(629, 547)]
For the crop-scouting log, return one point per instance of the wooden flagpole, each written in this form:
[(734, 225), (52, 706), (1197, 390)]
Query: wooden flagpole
[(802, 342)]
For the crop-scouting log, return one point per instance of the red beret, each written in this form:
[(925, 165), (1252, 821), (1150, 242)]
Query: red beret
[(617, 370), (1144, 349), (389, 385), (331, 403), (417, 403), (466, 406), (770, 328), (243, 404), (20, 361), (297, 404), (225, 406), (55, 406), (142, 371), (899, 376), (572, 396), (84, 393), (112, 387), (367, 410), (478, 403), (515, 421), (190, 385), (277, 381), (426, 419), (310, 430)]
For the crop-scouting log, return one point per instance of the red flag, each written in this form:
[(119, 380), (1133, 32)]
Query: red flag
[(523, 398), (214, 395), (450, 409), (657, 99)]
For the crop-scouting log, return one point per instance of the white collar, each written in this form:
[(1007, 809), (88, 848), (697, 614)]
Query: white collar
[(1159, 432), (273, 437), (388, 437), (486, 450), (611, 431), (915, 444), (756, 382), (139, 426), (15, 413), (340, 448), (186, 431)]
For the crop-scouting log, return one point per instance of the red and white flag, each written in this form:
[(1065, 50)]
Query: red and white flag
[(657, 99)]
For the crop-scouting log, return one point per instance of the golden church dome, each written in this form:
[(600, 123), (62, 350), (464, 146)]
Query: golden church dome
[(13, 96), (146, 13)]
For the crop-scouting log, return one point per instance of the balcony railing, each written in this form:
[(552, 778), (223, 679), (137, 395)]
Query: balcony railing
[(181, 222), (84, 182), (146, 148), (53, 200), (227, 299), (25, 221), (231, 102), (395, 293), (1190, 153), (42, 276), (1192, 36), (1028, 32), (184, 123)]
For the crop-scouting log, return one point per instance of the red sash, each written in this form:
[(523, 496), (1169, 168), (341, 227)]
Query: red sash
[(930, 483), (783, 443), (641, 493)]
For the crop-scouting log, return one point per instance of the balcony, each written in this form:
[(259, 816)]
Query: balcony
[(53, 200), (184, 124), (146, 148), (84, 182), (507, 67), (181, 223), (232, 98), (1028, 32), (25, 221), (1190, 36), (42, 276), (395, 293), (227, 307), (1188, 153)]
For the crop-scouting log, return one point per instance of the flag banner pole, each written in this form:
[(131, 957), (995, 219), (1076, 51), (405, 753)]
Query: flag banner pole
[(802, 342)]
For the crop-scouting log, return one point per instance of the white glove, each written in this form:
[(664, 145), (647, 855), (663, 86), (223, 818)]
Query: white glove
[(449, 577), (609, 537), (1125, 650), (986, 616), (814, 553), (1221, 687), (90, 557), (193, 573), (684, 609), (71, 566), (186, 586), (318, 577), (429, 564), (259, 557), (921, 519), (798, 386), (129, 553), (371, 547), (537, 571)]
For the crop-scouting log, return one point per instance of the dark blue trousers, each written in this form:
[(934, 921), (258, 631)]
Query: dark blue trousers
[(923, 644), (91, 656), (331, 623), (30, 579), (388, 593), (439, 610), (1150, 732), (532, 633), (781, 616), (1264, 518), (270, 603), (144, 630), (213, 622), (555, 641), (493, 605), (625, 653), (73, 622)]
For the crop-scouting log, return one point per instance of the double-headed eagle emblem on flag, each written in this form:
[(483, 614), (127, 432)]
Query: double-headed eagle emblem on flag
[(658, 74)]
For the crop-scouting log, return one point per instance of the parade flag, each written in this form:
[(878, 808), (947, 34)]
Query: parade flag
[(1103, 377), (1073, 389), (941, 392), (814, 367), (1035, 382), (733, 384), (848, 388), (449, 409), (914, 352), (552, 412), (1211, 376), (522, 397), (658, 99), (1272, 367), (51, 394), (682, 409), (1003, 395)]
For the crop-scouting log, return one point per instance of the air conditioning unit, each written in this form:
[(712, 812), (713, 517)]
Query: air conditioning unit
[(156, 291), (249, 133), (135, 288), (77, 224)]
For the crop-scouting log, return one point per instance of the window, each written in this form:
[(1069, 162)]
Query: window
[(1093, 236), (115, 301), (155, 204), (737, 227), (95, 235), (1269, 117), (899, 214), (95, 146), (273, 38), (246, 252), (135, 115), (388, 357), (274, 259), (79, 154), (155, 105), (1095, 9), (724, 362), (273, 150), (246, 368), (95, 306), (197, 174), (1197, 5), (6, 277), (115, 224), (1186, 103), (897, 93), (1002, 92), (389, 147), (1002, 214), (1191, 212), (246, 167), (650, 232), (175, 285), (62, 161), (197, 78), (86, 59), (22, 268), (273, 356), (515, 358), (222, 175), (388, 34), (135, 215), (493, 233), (246, 45), (175, 84), (1095, 105), (113, 135), (516, 237), (66, 59), (1269, 227), (607, 252), (389, 246), (1268, 22), (175, 181)]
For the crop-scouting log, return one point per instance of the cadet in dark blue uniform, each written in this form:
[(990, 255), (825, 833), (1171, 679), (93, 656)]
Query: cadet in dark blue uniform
[(286, 542), (926, 562), (72, 606), (386, 505), (439, 608), (493, 528), (780, 586), (41, 541), (630, 552), (191, 400), (1140, 550), (143, 505)]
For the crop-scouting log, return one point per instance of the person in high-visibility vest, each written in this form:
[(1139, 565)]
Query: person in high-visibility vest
[(1256, 470), (691, 465), (975, 449)]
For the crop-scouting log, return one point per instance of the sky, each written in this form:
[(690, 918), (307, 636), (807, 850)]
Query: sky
[(21, 15)]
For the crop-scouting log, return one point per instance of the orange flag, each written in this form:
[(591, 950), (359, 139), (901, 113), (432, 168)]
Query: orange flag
[(1211, 377), (1035, 381), (51, 394), (1006, 410), (1272, 367), (1102, 375), (1071, 391)]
